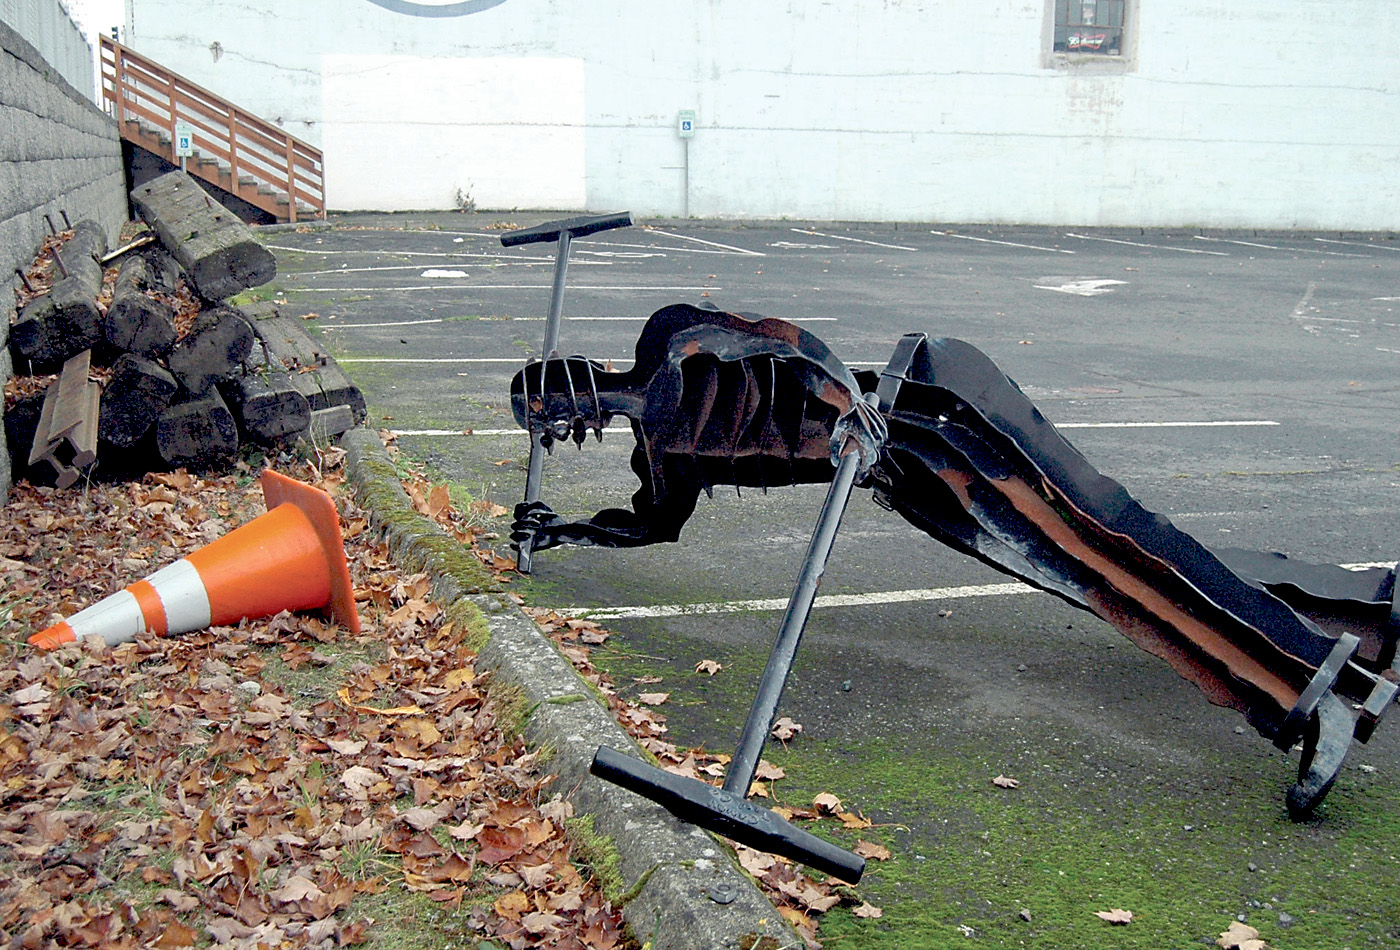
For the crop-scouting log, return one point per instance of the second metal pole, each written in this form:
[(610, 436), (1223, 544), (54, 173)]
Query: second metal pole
[(741, 770)]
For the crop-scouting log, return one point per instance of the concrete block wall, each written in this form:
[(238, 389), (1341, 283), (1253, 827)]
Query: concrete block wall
[(58, 152)]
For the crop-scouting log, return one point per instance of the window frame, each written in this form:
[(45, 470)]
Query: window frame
[(1082, 60)]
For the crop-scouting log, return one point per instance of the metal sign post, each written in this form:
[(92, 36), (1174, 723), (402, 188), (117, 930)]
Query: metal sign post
[(685, 128), (184, 142)]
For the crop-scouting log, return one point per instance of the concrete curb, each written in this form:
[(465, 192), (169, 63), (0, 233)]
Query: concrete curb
[(675, 874)]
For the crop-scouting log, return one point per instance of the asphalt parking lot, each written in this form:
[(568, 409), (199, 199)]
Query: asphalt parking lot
[(1244, 385)]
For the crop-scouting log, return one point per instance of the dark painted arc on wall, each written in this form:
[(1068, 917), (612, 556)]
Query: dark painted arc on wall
[(427, 9)]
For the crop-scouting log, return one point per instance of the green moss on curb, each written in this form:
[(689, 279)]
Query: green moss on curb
[(378, 490), (600, 854), (468, 616)]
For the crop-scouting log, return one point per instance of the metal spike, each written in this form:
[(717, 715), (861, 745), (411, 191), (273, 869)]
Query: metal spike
[(597, 401)]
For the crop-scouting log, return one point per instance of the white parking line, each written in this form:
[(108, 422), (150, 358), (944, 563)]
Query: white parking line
[(418, 267), (1165, 425), (1274, 247), (658, 248), (726, 247), (342, 290), (833, 600), (499, 256), (640, 319), (495, 236), (1302, 308), (441, 432), (1155, 247), (1062, 425), (1382, 247), (567, 319), (395, 323), (838, 237), (982, 240), (823, 602), (512, 360)]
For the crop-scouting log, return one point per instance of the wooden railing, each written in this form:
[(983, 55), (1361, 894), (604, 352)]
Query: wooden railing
[(234, 149)]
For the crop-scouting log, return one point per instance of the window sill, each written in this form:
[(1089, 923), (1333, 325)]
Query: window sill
[(1092, 63)]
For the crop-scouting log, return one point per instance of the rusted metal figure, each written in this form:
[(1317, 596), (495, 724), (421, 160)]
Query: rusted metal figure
[(956, 448)]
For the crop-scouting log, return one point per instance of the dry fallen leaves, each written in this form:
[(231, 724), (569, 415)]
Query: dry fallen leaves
[(872, 851), (799, 898), (1115, 916), (784, 729), (1005, 781), (265, 780), (1240, 937)]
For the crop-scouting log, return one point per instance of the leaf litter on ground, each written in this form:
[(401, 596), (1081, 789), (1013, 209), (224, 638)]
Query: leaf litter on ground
[(799, 897), (274, 783)]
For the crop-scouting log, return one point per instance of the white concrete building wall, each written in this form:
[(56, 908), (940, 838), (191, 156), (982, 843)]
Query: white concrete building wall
[(1220, 113)]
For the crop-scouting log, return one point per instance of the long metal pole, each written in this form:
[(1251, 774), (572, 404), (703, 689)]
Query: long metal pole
[(535, 474), (770, 688)]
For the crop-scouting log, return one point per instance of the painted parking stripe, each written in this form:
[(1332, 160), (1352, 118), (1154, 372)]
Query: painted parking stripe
[(1274, 247), (823, 602), (499, 256), (660, 248), (640, 319), (1155, 247), (725, 247), (419, 267), (1383, 247), (393, 323), (617, 423), (511, 360), (414, 323), (620, 425), (838, 237), (982, 240), (830, 601), (645, 289), (1165, 425)]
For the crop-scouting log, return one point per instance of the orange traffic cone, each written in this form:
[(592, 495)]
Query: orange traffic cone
[(291, 558)]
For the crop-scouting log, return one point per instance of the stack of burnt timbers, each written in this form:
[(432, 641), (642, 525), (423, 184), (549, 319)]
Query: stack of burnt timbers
[(168, 397)]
